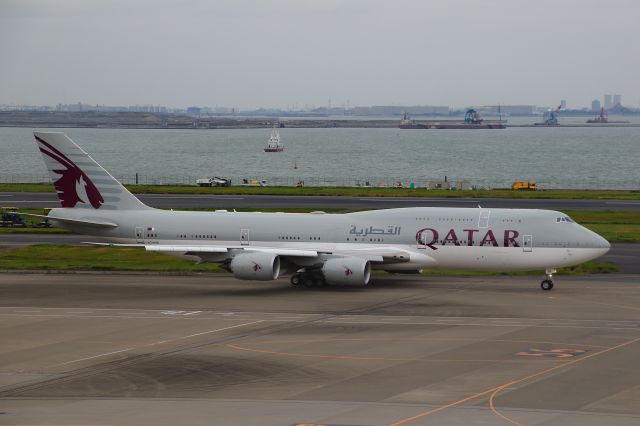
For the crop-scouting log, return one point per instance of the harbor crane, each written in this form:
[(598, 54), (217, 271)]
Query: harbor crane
[(550, 116)]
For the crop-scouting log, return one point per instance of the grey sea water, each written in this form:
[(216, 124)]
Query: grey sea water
[(553, 157)]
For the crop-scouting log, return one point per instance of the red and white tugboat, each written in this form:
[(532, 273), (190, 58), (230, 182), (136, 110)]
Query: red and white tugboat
[(274, 144)]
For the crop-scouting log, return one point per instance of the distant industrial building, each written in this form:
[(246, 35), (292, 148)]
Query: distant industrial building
[(608, 102), (427, 110), (412, 110), (563, 104), (361, 110), (508, 109), (617, 100), (148, 108), (193, 110), (595, 105)]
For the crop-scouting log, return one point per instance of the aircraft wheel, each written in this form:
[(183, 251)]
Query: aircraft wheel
[(546, 285), (318, 279), (295, 279), (307, 280)]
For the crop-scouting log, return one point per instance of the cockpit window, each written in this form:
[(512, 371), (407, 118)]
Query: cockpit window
[(564, 219)]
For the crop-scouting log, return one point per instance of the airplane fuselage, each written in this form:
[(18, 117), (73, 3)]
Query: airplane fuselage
[(461, 238)]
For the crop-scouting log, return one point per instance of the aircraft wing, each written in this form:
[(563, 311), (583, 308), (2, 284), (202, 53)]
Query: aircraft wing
[(170, 248), (383, 254), (386, 254)]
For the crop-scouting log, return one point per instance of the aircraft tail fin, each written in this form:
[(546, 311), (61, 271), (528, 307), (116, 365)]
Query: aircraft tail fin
[(80, 182)]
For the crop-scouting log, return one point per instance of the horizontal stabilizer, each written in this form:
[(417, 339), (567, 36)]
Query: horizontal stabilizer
[(69, 221)]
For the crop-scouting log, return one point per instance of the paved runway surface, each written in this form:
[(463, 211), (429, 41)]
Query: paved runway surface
[(202, 350), (166, 201)]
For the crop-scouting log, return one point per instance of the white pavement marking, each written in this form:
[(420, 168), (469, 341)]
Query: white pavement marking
[(155, 343), (220, 329), (28, 201), (633, 203), (192, 197), (91, 357)]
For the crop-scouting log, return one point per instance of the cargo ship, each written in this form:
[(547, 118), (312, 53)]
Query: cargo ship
[(408, 123)]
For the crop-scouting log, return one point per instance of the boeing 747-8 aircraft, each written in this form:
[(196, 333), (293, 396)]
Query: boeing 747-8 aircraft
[(314, 248)]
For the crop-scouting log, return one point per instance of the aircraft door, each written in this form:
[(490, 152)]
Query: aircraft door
[(422, 239), (150, 235), (139, 234), (244, 237), (483, 219), (527, 243)]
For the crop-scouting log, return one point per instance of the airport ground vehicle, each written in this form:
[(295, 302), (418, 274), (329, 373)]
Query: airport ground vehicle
[(519, 185), (12, 220), (214, 181), (314, 248)]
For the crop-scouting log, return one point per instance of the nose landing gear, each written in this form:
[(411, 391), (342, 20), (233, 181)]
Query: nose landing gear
[(547, 283)]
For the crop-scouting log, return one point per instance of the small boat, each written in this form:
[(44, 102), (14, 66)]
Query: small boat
[(274, 144), (600, 118)]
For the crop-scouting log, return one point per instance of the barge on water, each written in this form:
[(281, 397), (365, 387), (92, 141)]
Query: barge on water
[(472, 120), (603, 119)]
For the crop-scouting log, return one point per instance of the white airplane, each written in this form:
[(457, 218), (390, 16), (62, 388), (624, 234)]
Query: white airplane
[(314, 248)]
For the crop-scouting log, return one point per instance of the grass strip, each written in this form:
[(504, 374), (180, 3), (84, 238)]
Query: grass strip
[(354, 192), (614, 226), (83, 258)]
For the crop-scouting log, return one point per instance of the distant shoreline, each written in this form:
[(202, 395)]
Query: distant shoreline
[(138, 120)]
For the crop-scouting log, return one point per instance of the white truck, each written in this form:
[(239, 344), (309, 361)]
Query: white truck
[(214, 181)]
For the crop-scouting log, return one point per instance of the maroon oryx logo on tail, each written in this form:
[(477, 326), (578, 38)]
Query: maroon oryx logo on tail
[(73, 186)]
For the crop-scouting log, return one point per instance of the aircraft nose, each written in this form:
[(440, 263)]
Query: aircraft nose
[(598, 241), (604, 243)]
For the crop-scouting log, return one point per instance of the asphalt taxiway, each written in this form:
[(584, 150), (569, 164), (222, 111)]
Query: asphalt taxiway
[(167, 201), (150, 349)]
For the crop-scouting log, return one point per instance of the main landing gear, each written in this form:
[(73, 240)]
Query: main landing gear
[(308, 279), (547, 283)]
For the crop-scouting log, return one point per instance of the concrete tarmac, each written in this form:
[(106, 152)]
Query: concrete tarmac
[(201, 350), (167, 201)]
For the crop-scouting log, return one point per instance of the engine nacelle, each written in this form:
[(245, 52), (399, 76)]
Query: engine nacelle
[(255, 266), (347, 270)]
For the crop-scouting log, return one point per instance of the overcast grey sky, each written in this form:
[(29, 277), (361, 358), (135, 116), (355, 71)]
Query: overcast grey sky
[(252, 53)]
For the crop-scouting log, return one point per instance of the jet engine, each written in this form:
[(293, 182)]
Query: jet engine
[(347, 270), (255, 266)]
